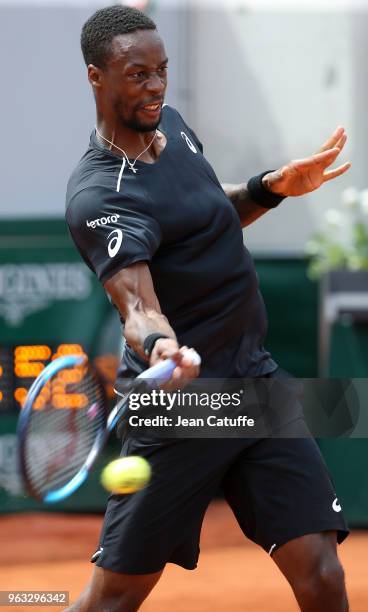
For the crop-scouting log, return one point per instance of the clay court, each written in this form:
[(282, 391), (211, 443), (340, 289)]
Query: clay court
[(51, 552)]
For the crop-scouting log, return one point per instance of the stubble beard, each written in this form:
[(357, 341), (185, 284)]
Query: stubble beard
[(134, 124)]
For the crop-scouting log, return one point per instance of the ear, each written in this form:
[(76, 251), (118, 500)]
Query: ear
[(95, 76)]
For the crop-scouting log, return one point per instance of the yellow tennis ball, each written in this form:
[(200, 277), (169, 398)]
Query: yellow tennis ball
[(126, 475)]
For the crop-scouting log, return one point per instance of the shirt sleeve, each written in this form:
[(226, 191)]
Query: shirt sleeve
[(111, 230), (191, 133), (196, 140)]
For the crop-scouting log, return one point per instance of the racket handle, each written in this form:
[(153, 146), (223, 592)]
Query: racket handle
[(162, 371)]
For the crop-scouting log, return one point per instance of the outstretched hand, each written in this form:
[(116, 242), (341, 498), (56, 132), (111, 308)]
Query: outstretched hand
[(305, 175)]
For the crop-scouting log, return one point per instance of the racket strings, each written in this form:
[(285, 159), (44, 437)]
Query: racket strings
[(60, 439)]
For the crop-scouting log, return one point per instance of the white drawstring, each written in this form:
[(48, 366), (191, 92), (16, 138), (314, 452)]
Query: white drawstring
[(120, 174)]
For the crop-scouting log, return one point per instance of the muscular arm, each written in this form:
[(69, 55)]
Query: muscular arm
[(247, 210), (131, 290)]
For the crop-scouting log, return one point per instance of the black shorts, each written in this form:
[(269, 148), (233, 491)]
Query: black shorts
[(278, 488)]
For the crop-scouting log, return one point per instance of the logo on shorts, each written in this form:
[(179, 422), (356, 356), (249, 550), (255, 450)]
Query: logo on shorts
[(102, 221), (189, 142), (336, 506), (97, 554), (114, 242)]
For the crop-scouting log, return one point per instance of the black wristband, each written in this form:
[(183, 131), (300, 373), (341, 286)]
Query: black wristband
[(150, 341), (260, 195)]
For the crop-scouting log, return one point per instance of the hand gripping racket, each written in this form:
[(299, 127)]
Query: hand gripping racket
[(64, 423)]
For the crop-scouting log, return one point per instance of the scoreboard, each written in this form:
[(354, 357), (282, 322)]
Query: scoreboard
[(21, 364), (51, 304)]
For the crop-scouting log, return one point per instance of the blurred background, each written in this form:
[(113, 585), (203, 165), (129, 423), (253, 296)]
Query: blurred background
[(261, 82)]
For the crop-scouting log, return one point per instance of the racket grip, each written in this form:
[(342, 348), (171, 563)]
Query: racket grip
[(162, 371)]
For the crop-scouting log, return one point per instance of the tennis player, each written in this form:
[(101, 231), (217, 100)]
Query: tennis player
[(150, 218)]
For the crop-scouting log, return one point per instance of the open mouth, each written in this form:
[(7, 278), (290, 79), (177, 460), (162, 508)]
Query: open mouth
[(152, 109)]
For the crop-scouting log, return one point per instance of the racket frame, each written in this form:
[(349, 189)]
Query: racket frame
[(153, 377), (24, 421), (102, 436)]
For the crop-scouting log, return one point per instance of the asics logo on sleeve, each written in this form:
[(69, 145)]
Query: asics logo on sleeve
[(189, 142), (102, 221), (336, 506), (116, 238)]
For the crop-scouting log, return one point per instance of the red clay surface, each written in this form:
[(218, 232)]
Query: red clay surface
[(51, 552)]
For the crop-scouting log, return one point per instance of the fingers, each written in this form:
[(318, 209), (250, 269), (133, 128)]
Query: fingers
[(185, 371), (302, 176), (165, 348), (333, 140), (180, 378), (325, 159), (330, 174), (190, 356), (341, 143)]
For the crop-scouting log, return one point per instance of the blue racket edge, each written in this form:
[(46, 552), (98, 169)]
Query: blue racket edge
[(26, 411), (81, 476), (154, 377)]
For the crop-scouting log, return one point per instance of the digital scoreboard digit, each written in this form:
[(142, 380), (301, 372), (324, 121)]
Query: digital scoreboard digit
[(20, 365), (7, 379)]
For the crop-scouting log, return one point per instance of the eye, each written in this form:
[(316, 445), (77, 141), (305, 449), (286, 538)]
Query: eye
[(162, 70), (138, 76)]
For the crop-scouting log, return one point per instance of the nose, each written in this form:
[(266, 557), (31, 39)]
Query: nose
[(156, 83)]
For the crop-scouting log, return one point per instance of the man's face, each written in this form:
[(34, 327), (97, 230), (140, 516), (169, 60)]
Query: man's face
[(134, 81)]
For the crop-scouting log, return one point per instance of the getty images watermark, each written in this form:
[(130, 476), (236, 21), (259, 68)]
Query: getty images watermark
[(178, 400), (262, 407)]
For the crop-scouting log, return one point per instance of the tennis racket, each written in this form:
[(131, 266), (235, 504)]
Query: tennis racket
[(65, 423)]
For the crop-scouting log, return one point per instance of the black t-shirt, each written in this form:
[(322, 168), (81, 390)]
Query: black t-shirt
[(174, 215)]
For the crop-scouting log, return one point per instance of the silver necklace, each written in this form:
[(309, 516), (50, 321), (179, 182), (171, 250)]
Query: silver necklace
[(130, 164)]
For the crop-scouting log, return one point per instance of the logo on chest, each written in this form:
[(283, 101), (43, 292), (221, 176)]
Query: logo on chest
[(102, 221), (189, 142)]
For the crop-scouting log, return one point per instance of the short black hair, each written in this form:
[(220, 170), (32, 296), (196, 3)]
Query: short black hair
[(101, 28)]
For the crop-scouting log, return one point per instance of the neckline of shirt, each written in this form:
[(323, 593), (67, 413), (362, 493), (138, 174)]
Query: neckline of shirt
[(101, 147)]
